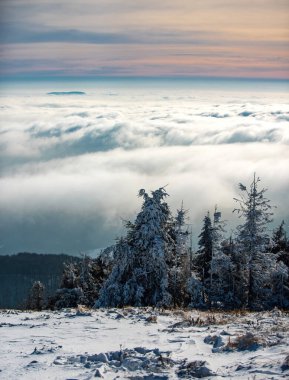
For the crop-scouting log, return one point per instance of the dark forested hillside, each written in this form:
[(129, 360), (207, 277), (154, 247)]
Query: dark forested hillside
[(18, 272)]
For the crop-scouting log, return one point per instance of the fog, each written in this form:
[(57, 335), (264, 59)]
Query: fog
[(71, 165)]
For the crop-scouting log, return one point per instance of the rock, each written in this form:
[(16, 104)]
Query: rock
[(157, 352), (97, 373), (210, 339), (115, 355), (83, 359), (132, 364), (218, 342), (242, 367), (102, 358), (98, 358), (114, 363), (119, 316), (224, 333), (197, 369), (285, 364), (149, 377), (92, 358), (142, 350), (59, 360)]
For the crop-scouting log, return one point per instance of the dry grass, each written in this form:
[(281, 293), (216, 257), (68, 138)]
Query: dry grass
[(82, 309), (245, 342), (152, 319)]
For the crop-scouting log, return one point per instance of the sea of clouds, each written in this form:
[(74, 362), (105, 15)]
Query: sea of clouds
[(71, 165)]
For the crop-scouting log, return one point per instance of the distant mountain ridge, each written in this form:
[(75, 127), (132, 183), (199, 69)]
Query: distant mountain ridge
[(66, 93)]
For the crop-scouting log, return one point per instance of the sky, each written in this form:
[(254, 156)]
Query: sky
[(200, 38)]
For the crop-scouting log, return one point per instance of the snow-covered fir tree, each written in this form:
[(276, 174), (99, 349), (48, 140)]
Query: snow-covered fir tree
[(280, 247), (195, 290), (202, 261), (70, 276), (140, 275), (212, 265), (220, 288), (86, 280), (151, 265), (253, 274), (81, 281), (279, 239), (70, 293), (180, 265)]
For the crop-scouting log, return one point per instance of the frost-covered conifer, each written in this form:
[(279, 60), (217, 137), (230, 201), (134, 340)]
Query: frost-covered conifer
[(202, 261), (279, 239), (279, 284), (219, 288), (81, 281), (140, 274), (70, 276), (195, 289), (86, 280), (112, 293), (251, 262), (179, 265)]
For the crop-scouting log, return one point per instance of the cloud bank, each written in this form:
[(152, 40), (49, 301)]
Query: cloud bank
[(71, 166)]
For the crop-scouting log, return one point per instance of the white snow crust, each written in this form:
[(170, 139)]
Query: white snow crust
[(143, 344)]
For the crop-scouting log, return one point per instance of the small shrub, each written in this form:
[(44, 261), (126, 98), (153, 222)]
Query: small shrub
[(245, 342), (152, 319)]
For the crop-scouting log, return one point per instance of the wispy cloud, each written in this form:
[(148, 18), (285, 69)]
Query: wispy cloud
[(17, 33)]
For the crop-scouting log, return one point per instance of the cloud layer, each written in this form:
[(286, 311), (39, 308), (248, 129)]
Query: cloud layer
[(71, 166)]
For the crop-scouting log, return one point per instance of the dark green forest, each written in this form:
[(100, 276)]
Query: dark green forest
[(19, 272)]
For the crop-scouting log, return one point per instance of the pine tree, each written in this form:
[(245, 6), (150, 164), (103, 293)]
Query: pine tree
[(220, 288), (179, 265), (86, 280), (36, 296), (140, 275), (279, 239), (115, 291), (195, 289), (280, 244), (252, 239), (279, 284), (280, 247), (202, 262), (81, 281), (70, 276)]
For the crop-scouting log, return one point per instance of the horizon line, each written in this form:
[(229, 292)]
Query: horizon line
[(134, 77)]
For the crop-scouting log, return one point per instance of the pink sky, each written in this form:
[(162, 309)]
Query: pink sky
[(221, 38)]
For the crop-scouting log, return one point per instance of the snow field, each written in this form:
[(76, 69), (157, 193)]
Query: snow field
[(142, 343)]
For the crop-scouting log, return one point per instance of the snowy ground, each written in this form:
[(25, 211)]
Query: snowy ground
[(143, 344)]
